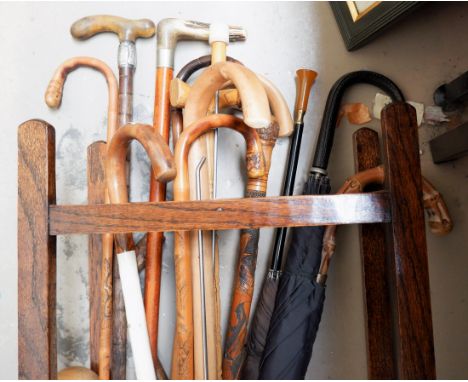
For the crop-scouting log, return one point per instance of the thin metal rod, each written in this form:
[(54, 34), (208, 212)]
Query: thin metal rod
[(202, 276), (215, 179)]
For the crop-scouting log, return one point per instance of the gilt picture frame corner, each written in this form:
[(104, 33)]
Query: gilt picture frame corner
[(361, 21)]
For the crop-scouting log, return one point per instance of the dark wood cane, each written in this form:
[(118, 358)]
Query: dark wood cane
[(245, 276), (128, 32)]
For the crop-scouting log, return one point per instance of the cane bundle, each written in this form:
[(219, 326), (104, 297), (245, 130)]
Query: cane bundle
[(223, 84)]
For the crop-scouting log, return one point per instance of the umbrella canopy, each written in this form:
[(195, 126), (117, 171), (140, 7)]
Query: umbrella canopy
[(299, 301), (300, 297)]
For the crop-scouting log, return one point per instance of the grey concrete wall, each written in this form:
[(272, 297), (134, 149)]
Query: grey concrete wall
[(419, 53)]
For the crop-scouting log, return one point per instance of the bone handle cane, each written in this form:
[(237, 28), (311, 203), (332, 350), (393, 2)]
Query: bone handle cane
[(53, 98), (164, 170), (127, 31)]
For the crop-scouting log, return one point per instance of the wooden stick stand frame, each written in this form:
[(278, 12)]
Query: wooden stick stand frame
[(398, 319)]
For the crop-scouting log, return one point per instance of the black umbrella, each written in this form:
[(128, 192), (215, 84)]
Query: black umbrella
[(261, 320), (301, 291)]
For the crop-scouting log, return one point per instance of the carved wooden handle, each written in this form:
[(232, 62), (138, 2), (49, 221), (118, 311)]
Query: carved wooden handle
[(127, 30), (440, 222)]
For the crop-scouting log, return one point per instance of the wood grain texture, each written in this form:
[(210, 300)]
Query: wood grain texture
[(155, 240), (410, 284), (378, 310), (244, 279), (37, 348), (96, 193), (221, 214)]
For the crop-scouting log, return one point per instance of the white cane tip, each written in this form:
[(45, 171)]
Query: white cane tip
[(219, 32)]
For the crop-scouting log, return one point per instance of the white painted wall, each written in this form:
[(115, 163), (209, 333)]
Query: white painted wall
[(420, 53)]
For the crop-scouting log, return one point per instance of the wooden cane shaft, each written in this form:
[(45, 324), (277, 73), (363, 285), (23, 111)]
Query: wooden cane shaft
[(245, 276), (155, 240), (184, 290)]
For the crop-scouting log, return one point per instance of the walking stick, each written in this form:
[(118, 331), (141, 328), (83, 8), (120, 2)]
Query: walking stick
[(262, 316), (245, 275), (169, 32), (164, 171), (439, 219), (182, 360), (206, 261), (53, 98), (128, 32)]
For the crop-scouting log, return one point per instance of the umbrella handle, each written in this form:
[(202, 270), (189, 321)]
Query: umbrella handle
[(440, 221)]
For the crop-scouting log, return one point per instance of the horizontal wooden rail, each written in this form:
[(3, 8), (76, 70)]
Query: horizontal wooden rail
[(293, 211)]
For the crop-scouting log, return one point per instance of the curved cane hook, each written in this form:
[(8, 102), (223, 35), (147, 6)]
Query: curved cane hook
[(160, 156), (439, 219)]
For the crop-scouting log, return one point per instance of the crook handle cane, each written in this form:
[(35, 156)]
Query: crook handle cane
[(164, 170)]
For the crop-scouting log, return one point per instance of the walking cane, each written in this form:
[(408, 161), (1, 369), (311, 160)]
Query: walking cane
[(53, 98), (208, 348), (169, 32), (164, 171), (182, 360), (128, 32), (439, 219), (245, 276)]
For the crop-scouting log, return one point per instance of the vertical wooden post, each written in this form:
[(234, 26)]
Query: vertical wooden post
[(96, 195), (37, 351), (378, 317), (409, 285)]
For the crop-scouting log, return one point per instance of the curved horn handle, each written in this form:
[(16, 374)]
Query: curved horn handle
[(127, 30), (278, 106), (440, 221), (254, 99), (180, 91), (158, 151), (305, 80), (255, 159)]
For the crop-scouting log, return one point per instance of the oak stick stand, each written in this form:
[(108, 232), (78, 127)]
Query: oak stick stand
[(398, 310)]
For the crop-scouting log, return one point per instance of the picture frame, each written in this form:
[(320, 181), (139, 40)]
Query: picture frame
[(362, 21)]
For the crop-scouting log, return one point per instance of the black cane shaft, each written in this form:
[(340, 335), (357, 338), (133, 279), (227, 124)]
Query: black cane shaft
[(126, 94), (288, 190)]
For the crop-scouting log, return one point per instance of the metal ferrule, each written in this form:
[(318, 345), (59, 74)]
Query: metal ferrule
[(127, 54), (318, 170), (299, 117), (172, 30), (274, 275), (321, 279)]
